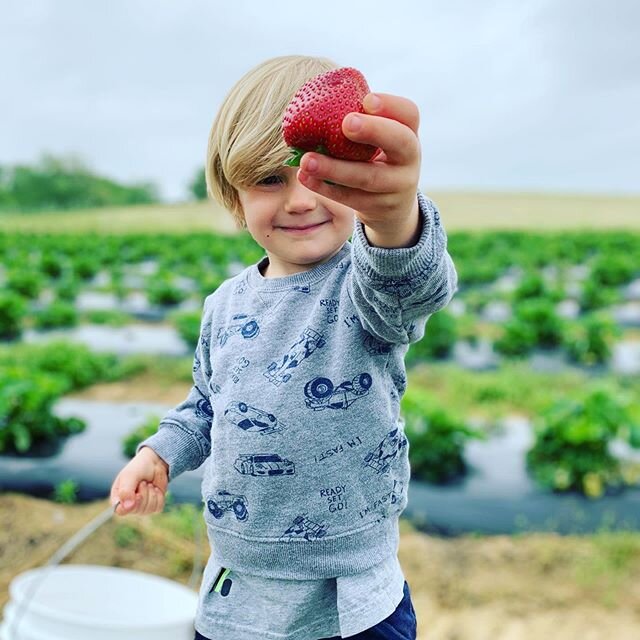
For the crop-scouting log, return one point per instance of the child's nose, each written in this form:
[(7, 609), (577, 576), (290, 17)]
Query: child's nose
[(299, 198)]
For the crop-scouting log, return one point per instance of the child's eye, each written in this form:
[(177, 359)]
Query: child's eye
[(269, 180)]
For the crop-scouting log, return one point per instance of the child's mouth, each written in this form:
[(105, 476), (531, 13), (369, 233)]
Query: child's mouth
[(302, 230)]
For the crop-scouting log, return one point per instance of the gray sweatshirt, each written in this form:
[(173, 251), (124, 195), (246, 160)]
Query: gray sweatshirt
[(295, 407)]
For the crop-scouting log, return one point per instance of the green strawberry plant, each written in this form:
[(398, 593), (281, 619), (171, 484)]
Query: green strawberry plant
[(438, 341), (589, 341), (58, 314), (26, 398), (571, 451), (436, 438), (140, 433), (13, 309)]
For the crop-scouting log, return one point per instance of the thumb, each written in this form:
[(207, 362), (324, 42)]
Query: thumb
[(127, 491)]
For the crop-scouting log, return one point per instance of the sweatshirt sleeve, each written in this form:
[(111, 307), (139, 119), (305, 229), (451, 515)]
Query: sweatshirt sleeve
[(396, 290), (183, 439)]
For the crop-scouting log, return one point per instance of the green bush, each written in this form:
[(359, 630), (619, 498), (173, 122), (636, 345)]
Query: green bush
[(596, 296), (437, 438), (613, 269), (438, 341), (58, 314), (52, 264), (111, 317), (65, 183), (518, 338), (572, 440), (28, 283), (144, 431), (67, 288), (198, 185), (73, 366), (66, 492), (590, 340), (535, 323), (26, 398), (162, 291), (533, 285), (85, 267), (187, 324), (13, 308)]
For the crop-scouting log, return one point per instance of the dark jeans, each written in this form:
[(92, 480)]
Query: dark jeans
[(400, 625)]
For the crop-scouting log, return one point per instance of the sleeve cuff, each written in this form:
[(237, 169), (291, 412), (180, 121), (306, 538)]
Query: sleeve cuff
[(177, 446), (405, 262)]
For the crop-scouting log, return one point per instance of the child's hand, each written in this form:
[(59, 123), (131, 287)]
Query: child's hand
[(384, 191), (141, 485)]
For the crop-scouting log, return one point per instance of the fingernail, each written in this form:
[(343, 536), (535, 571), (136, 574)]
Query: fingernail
[(354, 123), (374, 102), (311, 165)]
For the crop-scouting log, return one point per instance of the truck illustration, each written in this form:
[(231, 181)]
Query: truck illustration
[(251, 418), (224, 501), (321, 394), (263, 464), (309, 341), (385, 453), (248, 328), (303, 527), (376, 347)]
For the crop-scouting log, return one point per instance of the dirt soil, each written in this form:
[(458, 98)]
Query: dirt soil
[(524, 587)]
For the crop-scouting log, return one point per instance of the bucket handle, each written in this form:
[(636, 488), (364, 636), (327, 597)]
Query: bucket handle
[(78, 538)]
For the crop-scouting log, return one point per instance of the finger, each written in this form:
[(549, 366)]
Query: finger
[(158, 494), (125, 494), (371, 177), (397, 140), (143, 498), (357, 199), (394, 107), (150, 500), (160, 480)]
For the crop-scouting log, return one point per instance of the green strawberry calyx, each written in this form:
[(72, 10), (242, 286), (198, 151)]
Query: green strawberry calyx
[(296, 155)]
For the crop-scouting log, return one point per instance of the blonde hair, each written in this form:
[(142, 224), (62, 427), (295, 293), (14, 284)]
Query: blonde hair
[(245, 142)]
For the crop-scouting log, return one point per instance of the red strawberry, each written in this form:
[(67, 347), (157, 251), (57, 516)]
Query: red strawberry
[(313, 119)]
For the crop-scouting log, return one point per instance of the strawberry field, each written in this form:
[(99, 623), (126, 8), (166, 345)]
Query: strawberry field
[(544, 327)]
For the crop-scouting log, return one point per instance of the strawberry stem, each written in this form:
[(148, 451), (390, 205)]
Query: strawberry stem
[(296, 155), (294, 159)]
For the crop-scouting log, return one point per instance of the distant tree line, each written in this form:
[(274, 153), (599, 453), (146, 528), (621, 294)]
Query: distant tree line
[(66, 183)]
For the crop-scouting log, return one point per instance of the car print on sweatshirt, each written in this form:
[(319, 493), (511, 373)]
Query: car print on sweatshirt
[(322, 394), (309, 341), (248, 328), (251, 418), (203, 409), (263, 464), (386, 452), (303, 527), (224, 501)]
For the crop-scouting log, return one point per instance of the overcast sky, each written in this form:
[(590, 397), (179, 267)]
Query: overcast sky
[(536, 95)]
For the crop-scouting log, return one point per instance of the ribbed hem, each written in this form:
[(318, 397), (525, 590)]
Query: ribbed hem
[(257, 281), (307, 559), (177, 446), (406, 262)]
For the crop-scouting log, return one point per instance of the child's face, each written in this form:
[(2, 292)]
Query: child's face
[(274, 208)]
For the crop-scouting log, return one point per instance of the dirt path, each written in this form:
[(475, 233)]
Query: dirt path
[(524, 587)]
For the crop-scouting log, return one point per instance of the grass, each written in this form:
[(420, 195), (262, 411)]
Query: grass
[(512, 388), (460, 211), (163, 218)]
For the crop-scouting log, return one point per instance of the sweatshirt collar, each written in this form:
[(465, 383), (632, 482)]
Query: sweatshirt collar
[(257, 281)]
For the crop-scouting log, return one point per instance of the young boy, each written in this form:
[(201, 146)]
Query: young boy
[(299, 371)]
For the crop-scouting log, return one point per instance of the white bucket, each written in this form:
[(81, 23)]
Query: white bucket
[(80, 602)]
